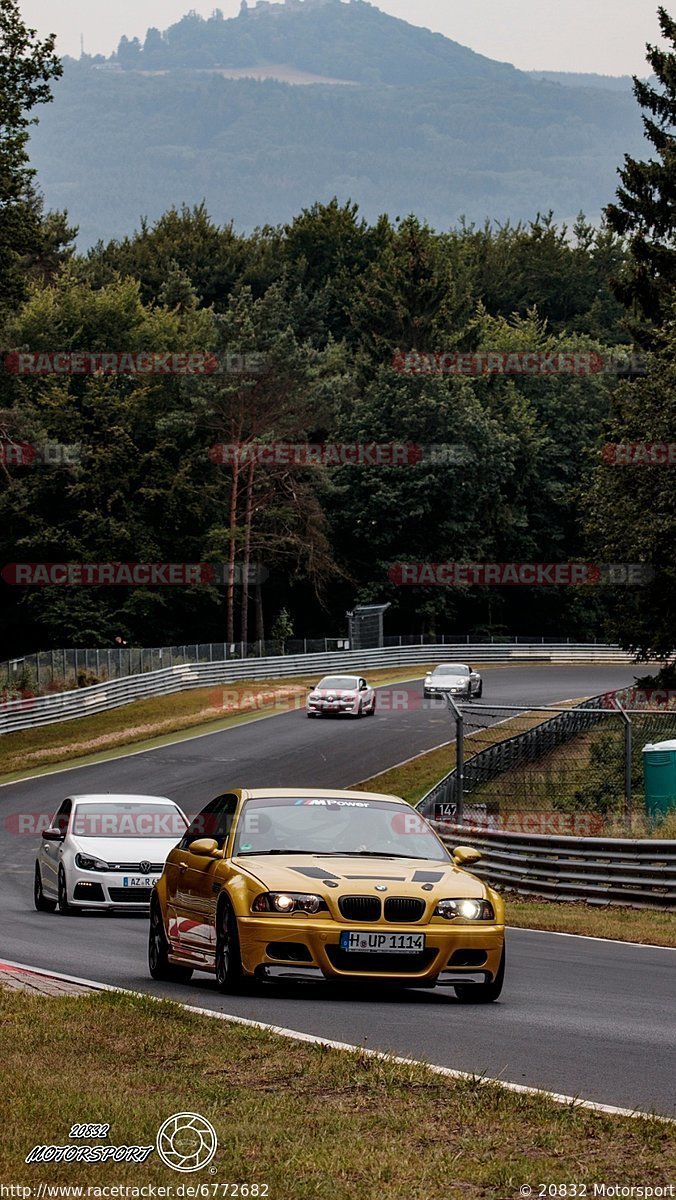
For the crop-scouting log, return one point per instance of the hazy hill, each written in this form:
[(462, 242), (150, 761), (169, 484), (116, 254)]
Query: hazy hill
[(351, 40), (427, 125), (613, 83)]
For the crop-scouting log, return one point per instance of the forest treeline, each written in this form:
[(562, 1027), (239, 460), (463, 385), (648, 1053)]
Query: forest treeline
[(311, 321)]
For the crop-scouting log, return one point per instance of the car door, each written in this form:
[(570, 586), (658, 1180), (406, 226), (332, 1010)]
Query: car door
[(197, 885), (50, 852)]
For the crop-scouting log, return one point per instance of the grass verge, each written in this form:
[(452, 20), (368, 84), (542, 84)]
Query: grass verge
[(154, 720), (625, 924), (413, 779), (308, 1121)]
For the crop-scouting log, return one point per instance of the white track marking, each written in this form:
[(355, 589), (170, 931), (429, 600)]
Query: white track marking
[(193, 737), (589, 937), (311, 1038)]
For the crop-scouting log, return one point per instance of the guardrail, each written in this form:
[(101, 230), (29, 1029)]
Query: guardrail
[(26, 713), (116, 662), (640, 873)]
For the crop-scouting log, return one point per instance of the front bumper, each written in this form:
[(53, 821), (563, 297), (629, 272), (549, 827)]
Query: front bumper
[(321, 707), (461, 693), (107, 889), (305, 947)]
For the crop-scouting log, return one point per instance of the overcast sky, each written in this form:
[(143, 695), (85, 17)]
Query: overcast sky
[(608, 36)]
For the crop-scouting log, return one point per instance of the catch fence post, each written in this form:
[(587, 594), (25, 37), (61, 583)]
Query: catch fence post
[(459, 759), (628, 750)]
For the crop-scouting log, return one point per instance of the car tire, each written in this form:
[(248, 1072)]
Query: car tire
[(41, 902), (229, 972), (65, 907), (372, 711), (482, 993), (360, 711), (158, 951), (480, 692)]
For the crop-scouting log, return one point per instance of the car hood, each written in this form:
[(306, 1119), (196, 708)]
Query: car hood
[(359, 876), (339, 693), (127, 850), (449, 680)]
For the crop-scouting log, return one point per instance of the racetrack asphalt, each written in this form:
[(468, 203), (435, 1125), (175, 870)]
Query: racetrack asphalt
[(577, 1016)]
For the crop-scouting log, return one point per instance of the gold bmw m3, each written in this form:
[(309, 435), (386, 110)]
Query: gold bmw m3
[(348, 886)]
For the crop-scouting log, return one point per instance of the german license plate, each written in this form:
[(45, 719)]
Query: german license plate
[(375, 942), (139, 881)]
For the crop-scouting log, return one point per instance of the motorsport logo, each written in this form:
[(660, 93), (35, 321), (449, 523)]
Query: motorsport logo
[(185, 1142)]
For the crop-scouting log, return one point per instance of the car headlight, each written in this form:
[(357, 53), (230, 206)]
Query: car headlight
[(86, 863), (288, 902), (469, 910)]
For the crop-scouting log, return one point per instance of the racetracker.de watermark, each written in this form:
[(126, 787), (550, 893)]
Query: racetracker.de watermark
[(102, 821), (116, 574), (131, 362), (337, 454), (640, 454), (39, 454), (518, 362), (549, 824), (468, 574)]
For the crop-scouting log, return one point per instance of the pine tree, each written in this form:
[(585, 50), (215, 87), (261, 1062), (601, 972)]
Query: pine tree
[(646, 207), (26, 68)]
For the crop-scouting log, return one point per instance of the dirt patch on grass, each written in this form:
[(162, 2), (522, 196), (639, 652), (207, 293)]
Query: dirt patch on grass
[(160, 716)]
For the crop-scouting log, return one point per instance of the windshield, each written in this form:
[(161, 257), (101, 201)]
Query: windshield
[(338, 683), (327, 826), (128, 820), (452, 669)]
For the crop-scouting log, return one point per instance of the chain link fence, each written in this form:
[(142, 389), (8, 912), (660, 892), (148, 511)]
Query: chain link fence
[(555, 771), (62, 670), (65, 669)]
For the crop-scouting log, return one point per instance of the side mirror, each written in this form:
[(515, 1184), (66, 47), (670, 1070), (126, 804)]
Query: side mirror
[(53, 835), (364, 687), (464, 856), (207, 847)]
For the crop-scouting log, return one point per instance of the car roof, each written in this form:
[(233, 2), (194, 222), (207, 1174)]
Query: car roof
[(451, 666), (317, 794), (117, 798), (341, 675)]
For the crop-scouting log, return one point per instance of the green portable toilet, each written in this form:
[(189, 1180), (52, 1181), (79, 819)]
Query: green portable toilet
[(659, 778)]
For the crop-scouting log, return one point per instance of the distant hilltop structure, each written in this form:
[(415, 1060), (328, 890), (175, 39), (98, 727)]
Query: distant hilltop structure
[(288, 6)]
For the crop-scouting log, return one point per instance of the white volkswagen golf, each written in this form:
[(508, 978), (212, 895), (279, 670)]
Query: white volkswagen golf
[(105, 852)]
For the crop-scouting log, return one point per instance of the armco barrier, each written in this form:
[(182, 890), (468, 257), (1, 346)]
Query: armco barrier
[(68, 706), (638, 873)]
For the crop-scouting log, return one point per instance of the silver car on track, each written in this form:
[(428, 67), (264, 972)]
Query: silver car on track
[(456, 678)]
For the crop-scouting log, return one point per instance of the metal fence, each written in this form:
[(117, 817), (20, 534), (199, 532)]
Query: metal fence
[(639, 873), (79, 667), (575, 771), (57, 669), (26, 711)]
